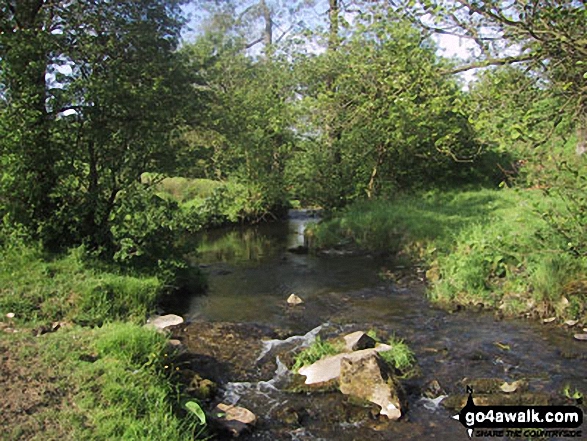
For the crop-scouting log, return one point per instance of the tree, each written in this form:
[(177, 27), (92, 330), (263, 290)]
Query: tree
[(399, 123), (28, 155), (247, 132), (104, 123), (550, 36)]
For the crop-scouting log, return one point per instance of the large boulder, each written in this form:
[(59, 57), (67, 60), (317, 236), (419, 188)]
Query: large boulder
[(371, 379), (328, 368)]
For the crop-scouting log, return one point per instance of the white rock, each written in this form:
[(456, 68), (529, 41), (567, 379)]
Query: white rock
[(10, 315), (357, 341), (165, 321), (294, 300)]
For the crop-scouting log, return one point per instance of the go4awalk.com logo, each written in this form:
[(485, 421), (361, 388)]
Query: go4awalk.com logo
[(520, 421)]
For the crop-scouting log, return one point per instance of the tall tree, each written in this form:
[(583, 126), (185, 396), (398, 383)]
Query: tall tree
[(28, 155)]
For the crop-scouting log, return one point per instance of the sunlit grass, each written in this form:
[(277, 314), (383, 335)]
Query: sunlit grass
[(484, 247)]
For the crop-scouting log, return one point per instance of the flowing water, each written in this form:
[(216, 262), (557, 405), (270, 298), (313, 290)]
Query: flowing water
[(251, 274)]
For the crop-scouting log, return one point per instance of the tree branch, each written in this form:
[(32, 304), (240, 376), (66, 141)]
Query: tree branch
[(490, 62)]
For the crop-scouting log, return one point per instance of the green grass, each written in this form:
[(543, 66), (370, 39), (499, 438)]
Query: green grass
[(44, 288), (316, 351), (483, 247), (400, 356), (112, 382), (384, 226), (97, 378)]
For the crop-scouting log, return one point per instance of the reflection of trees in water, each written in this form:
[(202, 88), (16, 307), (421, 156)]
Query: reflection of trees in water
[(237, 245)]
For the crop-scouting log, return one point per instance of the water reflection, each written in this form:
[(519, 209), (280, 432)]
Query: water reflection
[(251, 274)]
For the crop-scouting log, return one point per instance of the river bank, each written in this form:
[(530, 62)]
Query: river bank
[(251, 273), (492, 249)]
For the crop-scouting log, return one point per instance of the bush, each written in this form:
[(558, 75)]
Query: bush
[(149, 234)]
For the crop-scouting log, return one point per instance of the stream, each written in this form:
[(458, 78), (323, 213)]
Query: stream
[(241, 331)]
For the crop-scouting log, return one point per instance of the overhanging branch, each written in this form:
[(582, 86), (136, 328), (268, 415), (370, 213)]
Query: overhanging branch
[(489, 62)]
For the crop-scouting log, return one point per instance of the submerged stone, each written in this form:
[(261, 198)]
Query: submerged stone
[(294, 300)]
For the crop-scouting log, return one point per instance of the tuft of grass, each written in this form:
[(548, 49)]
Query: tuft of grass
[(399, 356), (316, 351)]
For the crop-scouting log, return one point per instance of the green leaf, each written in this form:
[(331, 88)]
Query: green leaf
[(195, 408)]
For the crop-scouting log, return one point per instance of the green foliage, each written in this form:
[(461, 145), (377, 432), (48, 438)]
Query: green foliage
[(392, 226), (378, 116), (399, 356), (247, 135), (149, 234), (489, 248), (195, 408), (564, 180), (575, 395), (75, 142), (316, 351)]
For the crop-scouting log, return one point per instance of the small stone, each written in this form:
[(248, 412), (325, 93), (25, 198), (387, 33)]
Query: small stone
[(294, 300), (581, 337), (10, 315), (549, 320), (357, 341), (514, 386), (571, 323), (233, 418), (164, 321)]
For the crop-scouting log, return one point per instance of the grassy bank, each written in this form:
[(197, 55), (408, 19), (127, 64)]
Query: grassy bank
[(76, 361), (482, 247)]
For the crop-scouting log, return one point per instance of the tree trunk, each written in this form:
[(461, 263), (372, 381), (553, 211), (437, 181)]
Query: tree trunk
[(333, 13), (268, 31)]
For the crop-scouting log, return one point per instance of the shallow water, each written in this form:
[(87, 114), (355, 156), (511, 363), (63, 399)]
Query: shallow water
[(251, 274)]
